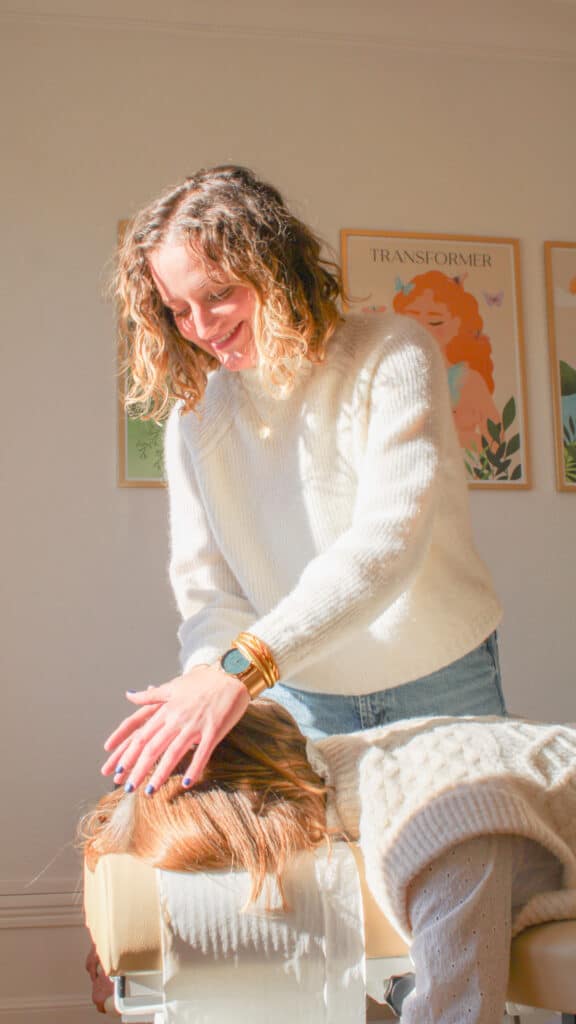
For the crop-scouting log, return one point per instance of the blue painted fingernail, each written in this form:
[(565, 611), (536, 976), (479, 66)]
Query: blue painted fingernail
[(129, 787), (118, 769), (149, 789), (186, 782), (131, 691)]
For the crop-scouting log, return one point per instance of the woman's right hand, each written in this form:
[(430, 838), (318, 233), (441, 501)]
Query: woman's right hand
[(196, 709)]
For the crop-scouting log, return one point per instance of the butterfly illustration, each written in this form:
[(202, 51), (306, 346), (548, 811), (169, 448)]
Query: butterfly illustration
[(399, 286), (374, 309), (493, 298)]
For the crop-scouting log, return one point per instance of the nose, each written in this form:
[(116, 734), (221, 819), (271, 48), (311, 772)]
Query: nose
[(203, 319)]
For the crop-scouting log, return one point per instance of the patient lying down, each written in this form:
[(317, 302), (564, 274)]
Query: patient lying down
[(258, 803), (467, 827)]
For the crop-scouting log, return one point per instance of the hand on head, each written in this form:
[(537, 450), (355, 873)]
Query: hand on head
[(258, 802), (195, 710)]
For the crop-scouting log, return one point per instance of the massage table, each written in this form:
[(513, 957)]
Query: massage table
[(122, 912)]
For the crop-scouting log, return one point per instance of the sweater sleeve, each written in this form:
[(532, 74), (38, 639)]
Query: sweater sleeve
[(213, 608), (373, 562)]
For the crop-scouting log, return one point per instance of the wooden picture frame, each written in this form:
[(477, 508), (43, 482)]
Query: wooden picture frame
[(560, 267), (466, 290)]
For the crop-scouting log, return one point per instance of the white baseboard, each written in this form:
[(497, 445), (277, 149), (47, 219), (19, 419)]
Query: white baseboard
[(56, 1010), (43, 1004), (43, 946)]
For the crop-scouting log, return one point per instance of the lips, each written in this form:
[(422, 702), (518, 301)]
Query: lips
[(226, 340)]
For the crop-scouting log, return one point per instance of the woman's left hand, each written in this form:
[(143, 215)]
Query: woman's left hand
[(195, 710)]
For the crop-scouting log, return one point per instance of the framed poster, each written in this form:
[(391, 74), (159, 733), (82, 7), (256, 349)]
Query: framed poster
[(466, 291), (140, 441), (140, 449), (560, 260)]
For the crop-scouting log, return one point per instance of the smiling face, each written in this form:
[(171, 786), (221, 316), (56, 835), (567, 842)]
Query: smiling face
[(434, 315), (213, 312)]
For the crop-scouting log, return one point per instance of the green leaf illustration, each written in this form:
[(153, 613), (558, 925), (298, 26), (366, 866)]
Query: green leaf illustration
[(570, 463), (569, 432), (494, 460), (509, 413), (567, 379), (513, 444), (494, 430)]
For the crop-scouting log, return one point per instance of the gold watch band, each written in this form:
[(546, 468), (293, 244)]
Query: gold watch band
[(259, 654), (261, 671), (254, 681)]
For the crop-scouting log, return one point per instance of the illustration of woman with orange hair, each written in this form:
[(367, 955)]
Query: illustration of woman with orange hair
[(451, 314)]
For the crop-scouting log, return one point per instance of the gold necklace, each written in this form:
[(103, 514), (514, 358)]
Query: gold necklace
[(247, 386)]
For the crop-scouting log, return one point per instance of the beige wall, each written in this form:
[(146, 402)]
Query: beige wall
[(464, 126)]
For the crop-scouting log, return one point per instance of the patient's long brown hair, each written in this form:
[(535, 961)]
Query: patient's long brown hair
[(258, 802)]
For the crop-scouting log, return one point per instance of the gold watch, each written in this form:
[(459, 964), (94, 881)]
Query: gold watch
[(235, 663)]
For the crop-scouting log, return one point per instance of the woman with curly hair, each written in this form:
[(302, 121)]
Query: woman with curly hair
[(321, 548)]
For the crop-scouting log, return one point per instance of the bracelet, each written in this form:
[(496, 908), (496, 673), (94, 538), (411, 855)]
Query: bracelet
[(260, 655), (250, 661)]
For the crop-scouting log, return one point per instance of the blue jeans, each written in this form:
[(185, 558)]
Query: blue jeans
[(469, 686)]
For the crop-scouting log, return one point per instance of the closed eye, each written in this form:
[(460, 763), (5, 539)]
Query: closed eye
[(179, 314), (219, 296)]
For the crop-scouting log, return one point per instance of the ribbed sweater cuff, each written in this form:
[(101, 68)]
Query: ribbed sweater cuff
[(464, 813)]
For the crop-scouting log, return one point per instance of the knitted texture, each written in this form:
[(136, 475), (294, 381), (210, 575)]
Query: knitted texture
[(414, 789), (334, 524)]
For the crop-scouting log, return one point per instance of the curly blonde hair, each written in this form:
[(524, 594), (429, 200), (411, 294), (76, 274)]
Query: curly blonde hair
[(258, 802), (241, 226)]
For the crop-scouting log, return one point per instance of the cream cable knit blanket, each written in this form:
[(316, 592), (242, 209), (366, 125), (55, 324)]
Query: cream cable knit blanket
[(412, 790)]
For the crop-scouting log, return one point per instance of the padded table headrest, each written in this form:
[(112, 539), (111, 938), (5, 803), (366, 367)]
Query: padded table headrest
[(122, 911)]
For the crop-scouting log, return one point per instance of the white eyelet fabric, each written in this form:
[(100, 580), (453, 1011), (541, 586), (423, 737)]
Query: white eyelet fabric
[(461, 910)]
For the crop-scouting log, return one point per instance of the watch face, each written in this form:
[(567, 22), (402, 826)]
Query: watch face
[(234, 662)]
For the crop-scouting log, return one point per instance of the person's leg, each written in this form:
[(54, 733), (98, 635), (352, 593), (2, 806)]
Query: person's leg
[(460, 911)]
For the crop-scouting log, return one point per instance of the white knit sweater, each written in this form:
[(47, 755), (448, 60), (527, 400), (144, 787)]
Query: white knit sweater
[(334, 524), (413, 789)]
